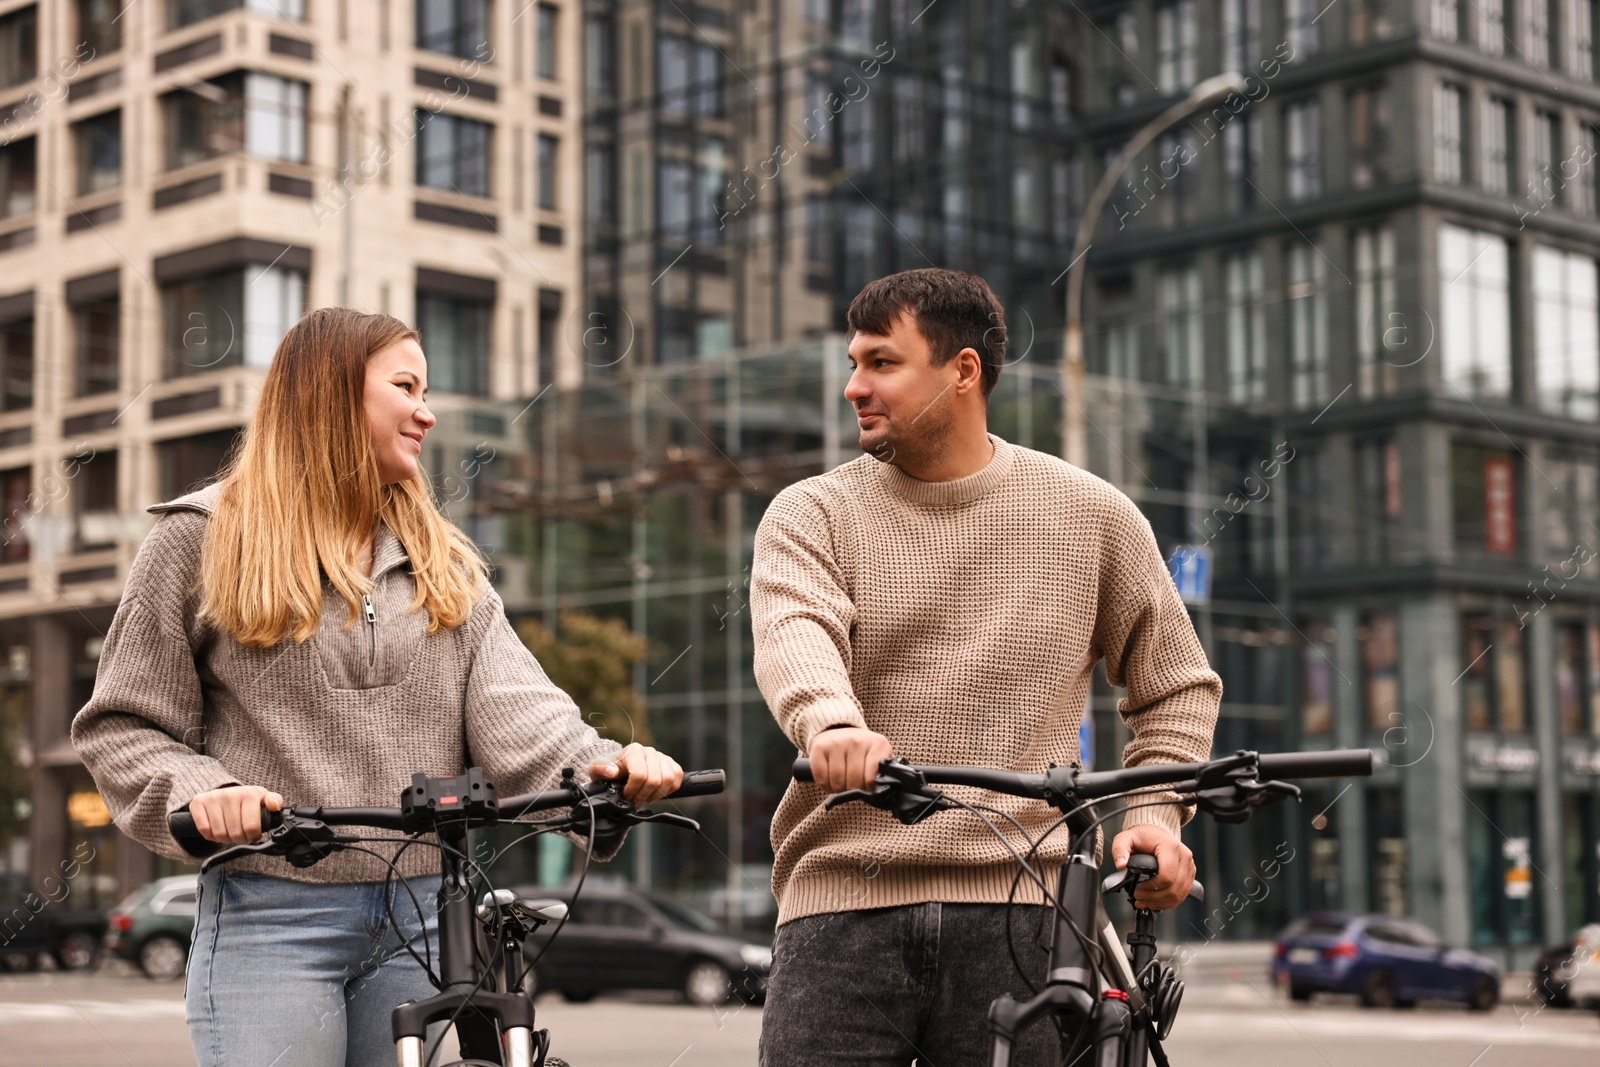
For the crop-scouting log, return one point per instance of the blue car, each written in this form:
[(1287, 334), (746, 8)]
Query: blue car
[(1389, 962)]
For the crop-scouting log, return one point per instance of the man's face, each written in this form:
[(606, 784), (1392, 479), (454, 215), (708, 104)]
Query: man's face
[(903, 403)]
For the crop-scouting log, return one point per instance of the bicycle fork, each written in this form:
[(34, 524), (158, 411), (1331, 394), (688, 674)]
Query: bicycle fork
[(1069, 990)]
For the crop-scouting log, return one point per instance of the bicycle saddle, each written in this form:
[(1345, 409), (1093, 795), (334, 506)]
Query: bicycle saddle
[(531, 913)]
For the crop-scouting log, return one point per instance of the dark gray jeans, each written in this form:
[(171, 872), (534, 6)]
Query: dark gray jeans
[(893, 986)]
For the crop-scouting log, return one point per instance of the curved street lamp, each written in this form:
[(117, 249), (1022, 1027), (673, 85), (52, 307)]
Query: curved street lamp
[(1211, 89)]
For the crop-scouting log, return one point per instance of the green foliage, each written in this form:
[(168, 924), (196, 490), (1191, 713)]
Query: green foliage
[(592, 659)]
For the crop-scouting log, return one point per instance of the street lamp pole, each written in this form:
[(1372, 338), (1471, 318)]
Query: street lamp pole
[(1206, 92)]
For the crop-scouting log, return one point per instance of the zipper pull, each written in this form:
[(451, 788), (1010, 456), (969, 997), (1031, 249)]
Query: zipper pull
[(372, 616)]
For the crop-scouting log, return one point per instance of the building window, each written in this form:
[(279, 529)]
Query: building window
[(673, 53), (19, 46), (1580, 48), (1377, 499), (1568, 508), (1247, 328), (1316, 647), (454, 27), (188, 12), (100, 25), (94, 503), (1536, 31), (230, 318), (675, 196), (546, 43), (1309, 510), (1501, 828), (549, 335), (1571, 678), (1493, 686), (97, 346), (1475, 305), (545, 193), (16, 364), (709, 203), (1308, 326), (1583, 189), (275, 118), (1303, 162), (1379, 638), (1178, 292), (1566, 326), (1447, 139), (1543, 183), (1241, 159), (1369, 136), (600, 58), (18, 178), (453, 153), (259, 113), (1178, 156), (1484, 500), (185, 464), (1367, 21), (1241, 34), (15, 487), (1300, 27), (1491, 26), (1445, 18), (1121, 340), (455, 335), (1495, 161), (1176, 41), (1382, 335), (1066, 198), (98, 146), (858, 138), (601, 185)]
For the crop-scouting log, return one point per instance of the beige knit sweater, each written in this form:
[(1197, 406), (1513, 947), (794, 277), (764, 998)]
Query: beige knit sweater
[(962, 620), (341, 719)]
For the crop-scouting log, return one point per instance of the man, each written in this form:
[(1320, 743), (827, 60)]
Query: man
[(945, 599)]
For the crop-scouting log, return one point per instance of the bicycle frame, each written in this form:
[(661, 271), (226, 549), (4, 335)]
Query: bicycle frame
[(1071, 991), (481, 1016)]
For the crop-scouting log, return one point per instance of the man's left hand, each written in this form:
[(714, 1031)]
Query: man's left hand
[(1174, 865)]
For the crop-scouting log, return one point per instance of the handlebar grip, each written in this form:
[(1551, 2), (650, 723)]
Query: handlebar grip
[(701, 784), (181, 825), (1339, 763), (802, 770)]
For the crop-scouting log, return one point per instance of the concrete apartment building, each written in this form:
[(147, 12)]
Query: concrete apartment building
[(1378, 278), (179, 181)]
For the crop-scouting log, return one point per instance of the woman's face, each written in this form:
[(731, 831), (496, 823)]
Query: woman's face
[(397, 416)]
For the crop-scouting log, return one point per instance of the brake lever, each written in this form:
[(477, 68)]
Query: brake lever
[(302, 842), (897, 789)]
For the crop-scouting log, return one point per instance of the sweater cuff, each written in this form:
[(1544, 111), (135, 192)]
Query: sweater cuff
[(1170, 817), (818, 717), (199, 776)]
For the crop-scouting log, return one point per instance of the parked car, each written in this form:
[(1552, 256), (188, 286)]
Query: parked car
[(154, 925), (1390, 962), (618, 938), (1550, 976), (1583, 983), (33, 923)]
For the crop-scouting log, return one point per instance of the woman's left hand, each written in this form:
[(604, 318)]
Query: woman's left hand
[(651, 774)]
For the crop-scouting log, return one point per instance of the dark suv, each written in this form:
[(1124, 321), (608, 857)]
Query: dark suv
[(618, 938), (33, 923)]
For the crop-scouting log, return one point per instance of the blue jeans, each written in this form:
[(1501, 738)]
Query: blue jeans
[(286, 974)]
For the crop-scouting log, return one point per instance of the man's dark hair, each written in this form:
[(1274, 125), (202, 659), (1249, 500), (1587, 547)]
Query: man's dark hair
[(952, 309)]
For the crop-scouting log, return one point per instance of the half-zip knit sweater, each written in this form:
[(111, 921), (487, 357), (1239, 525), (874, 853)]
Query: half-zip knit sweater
[(341, 719), (962, 620)]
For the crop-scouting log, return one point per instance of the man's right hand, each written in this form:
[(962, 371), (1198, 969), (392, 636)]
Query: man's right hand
[(846, 757), (232, 815)]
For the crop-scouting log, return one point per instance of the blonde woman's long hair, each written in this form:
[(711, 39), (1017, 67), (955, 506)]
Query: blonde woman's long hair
[(301, 497)]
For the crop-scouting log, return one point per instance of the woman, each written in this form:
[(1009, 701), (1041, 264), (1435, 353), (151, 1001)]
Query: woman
[(311, 630)]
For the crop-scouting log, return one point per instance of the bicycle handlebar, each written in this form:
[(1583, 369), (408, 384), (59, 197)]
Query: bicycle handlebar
[(1087, 785), (181, 823)]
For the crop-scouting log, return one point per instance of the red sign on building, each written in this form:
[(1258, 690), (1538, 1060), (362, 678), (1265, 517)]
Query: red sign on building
[(1499, 506)]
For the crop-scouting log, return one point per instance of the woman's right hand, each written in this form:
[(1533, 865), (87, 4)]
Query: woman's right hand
[(232, 815)]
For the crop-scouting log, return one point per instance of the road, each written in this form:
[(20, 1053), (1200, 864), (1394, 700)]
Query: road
[(117, 1019)]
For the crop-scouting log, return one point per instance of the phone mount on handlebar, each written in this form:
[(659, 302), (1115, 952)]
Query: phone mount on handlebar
[(899, 789), (467, 796), (1229, 788)]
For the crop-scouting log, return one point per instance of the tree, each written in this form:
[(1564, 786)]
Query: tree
[(593, 659)]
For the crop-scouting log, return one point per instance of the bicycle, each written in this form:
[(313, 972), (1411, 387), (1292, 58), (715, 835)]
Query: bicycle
[(482, 972), (1093, 991)]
